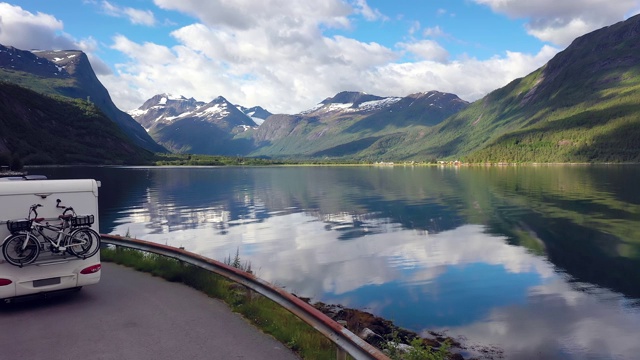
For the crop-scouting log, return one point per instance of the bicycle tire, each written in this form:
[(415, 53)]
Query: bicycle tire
[(15, 255), (83, 243)]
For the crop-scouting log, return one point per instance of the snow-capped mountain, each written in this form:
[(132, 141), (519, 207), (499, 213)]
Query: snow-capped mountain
[(31, 62), (257, 113), (164, 108), (167, 108), (350, 102), (357, 102), (187, 125)]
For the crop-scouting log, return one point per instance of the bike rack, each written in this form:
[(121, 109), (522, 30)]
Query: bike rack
[(47, 259), (3, 222), (346, 341)]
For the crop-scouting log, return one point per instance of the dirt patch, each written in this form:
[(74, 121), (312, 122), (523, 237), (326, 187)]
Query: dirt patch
[(477, 120)]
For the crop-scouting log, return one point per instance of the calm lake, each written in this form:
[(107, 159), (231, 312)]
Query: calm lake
[(541, 262)]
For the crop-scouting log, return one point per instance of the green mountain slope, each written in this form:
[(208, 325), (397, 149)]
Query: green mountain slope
[(354, 125), (199, 137), (56, 130), (68, 73), (306, 136), (582, 106)]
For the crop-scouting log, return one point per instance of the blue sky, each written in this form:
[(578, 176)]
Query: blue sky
[(287, 55)]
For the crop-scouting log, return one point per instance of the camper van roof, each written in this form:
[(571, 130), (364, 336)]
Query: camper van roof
[(23, 177), (44, 188)]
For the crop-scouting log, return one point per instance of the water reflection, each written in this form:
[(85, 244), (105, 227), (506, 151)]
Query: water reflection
[(534, 260), (561, 322)]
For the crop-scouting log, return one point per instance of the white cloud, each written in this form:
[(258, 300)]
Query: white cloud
[(435, 31), (26, 31), (469, 78), (560, 32), (291, 13), (560, 22), (293, 77), (287, 68), (280, 59), (367, 12), (90, 47), (135, 16), (414, 28), (426, 50)]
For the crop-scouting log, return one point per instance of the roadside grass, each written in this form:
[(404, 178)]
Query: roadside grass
[(265, 314)]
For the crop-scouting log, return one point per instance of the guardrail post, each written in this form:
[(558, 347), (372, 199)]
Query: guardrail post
[(180, 261), (341, 354), (250, 294)]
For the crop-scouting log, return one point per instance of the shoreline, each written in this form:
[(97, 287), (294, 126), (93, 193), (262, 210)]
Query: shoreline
[(337, 164), (374, 330)]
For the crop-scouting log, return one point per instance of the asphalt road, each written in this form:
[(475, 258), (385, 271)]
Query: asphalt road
[(131, 315)]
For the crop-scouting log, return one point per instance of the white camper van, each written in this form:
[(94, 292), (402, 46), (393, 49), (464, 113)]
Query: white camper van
[(53, 269)]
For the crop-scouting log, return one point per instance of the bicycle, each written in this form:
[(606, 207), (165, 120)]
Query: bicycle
[(28, 237)]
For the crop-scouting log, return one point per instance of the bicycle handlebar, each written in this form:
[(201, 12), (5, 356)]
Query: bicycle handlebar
[(66, 208), (58, 201), (32, 209)]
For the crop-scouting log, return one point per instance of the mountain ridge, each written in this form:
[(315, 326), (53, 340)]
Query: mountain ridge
[(68, 73), (325, 128), (349, 123), (579, 107), (188, 125)]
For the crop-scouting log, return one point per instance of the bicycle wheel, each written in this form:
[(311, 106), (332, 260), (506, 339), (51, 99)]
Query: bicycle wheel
[(17, 253), (83, 243)]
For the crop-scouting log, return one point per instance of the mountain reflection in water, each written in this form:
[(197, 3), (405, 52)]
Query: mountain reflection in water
[(540, 261)]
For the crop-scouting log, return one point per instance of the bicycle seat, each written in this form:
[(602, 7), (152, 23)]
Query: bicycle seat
[(65, 217), (38, 219)]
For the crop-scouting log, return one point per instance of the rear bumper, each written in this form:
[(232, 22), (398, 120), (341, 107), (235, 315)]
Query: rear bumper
[(40, 296), (47, 281)]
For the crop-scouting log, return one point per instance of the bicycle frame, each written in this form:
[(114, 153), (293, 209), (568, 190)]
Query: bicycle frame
[(62, 232)]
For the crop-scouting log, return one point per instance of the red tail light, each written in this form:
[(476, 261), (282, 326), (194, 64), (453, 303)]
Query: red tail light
[(5, 282), (91, 269)]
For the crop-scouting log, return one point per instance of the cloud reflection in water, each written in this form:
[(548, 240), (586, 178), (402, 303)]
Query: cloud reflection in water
[(463, 280)]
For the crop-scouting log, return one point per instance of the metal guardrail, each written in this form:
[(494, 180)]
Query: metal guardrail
[(342, 337)]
